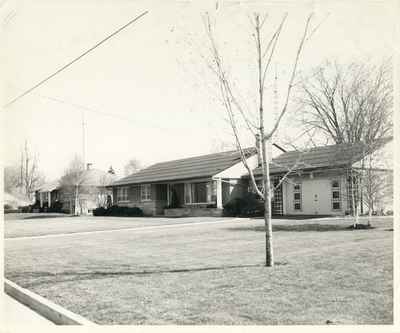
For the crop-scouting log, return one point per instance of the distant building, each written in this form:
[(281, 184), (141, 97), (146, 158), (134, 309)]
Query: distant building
[(93, 192)]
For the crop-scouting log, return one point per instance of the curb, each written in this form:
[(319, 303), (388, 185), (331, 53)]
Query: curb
[(44, 307), (136, 229)]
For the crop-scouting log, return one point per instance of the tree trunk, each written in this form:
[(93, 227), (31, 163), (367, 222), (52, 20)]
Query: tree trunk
[(369, 214), (269, 254), (76, 208), (354, 200), (269, 258)]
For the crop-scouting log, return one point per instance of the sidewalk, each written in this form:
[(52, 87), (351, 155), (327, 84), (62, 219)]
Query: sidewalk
[(16, 313)]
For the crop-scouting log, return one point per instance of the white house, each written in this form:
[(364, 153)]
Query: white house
[(320, 180)]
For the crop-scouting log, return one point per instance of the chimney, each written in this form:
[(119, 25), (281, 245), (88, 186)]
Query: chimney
[(111, 171), (258, 147), (88, 166)]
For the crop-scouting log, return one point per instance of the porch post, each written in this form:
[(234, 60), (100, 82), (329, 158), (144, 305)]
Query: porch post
[(283, 186), (49, 198), (219, 193), (41, 199), (168, 198)]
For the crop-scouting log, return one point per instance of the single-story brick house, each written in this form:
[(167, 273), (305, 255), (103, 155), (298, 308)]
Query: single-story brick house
[(93, 192), (192, 186), (319, 182)]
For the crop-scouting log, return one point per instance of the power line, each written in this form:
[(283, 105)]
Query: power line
[(73, 61), (90, 109), (85, 108)]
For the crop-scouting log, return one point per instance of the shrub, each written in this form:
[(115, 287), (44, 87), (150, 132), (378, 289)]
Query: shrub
[(249, 205), (56, 207), (118, 211), (253, 206), (233, 207), (389, 212), (26, 209), (100, 211), (7, 207)]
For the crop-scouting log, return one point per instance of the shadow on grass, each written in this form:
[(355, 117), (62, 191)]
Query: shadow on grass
[(43, 278), (300, 227), (44, 216), (293, 217)]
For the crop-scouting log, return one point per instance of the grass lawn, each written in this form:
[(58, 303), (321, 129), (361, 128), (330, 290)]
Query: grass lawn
[(38, 224), (208, 273)]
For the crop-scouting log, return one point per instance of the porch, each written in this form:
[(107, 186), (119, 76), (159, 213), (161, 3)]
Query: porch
[(193, 197)]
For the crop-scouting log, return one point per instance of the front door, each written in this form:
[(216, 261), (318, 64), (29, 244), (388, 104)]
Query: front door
[(176, 195), (316, 204)]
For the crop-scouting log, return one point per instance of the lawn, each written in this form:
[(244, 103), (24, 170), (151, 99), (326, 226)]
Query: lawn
[(207, 273)]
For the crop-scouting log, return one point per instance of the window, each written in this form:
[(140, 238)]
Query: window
[(336, 204), (199, 192), (145, 192), (297, 196), (122, 194)]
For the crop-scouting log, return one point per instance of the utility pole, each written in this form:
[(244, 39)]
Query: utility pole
[(83, 140)]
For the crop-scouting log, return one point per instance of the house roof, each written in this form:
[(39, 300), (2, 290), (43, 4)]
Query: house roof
[(193, 167), (92, 177), (48, 187), (97, 177), (322, 157)]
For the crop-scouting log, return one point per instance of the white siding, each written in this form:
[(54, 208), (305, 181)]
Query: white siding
[(316, 196), (238, 170)]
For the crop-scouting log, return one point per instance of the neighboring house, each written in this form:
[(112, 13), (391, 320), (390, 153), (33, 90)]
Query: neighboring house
[(13, 202), (47, 194), (192, 186), (320, 183), (93, 192)]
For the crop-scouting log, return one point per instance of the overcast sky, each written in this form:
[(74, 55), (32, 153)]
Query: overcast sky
[(149, 93)]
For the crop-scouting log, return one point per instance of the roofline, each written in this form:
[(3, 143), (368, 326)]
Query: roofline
[(279, 147), (161, 181), (188, 158), (343, 166), (251, 151)]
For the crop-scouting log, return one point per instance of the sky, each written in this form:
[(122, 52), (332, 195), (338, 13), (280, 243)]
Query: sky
[(147, 92)]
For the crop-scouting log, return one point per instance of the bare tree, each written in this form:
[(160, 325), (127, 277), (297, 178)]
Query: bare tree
[(375, 179), (24, 178), (349, 103), (11, 178), (132, 166), (72, 182), (235, 110)]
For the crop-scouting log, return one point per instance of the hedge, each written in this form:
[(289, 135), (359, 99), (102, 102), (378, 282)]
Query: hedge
[(118, 211), (249, 205)]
